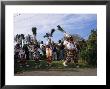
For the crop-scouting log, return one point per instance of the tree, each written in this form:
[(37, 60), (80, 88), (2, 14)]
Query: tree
[(92, 48), (89, 49), (34, 30), (83, 52), (77, 37)]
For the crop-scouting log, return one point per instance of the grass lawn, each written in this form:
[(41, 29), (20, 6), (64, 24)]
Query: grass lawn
[(44, 66)]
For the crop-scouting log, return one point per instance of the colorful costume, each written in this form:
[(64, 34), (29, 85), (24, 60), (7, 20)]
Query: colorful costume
[(70, 52), (49, 54), (22, 57)]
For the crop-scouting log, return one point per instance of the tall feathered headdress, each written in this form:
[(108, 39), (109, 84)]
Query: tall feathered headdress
[(50, 34), (60, 28)]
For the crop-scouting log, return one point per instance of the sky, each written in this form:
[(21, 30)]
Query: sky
[(80, 24)]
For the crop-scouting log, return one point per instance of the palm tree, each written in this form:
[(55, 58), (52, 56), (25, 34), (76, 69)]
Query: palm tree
[(34, 32)]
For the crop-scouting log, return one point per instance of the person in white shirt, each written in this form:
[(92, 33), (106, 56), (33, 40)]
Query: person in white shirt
[(41, 44), (48, 41)]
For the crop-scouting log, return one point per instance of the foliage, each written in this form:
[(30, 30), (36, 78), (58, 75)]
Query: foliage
[(77, 37), (89, 49), (92, 48)]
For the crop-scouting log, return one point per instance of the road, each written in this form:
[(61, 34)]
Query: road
[(73, 72)]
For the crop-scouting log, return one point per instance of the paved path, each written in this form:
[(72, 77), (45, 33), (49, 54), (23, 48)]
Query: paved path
[(74, 72)]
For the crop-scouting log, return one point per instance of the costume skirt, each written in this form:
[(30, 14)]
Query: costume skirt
[(70, 55)]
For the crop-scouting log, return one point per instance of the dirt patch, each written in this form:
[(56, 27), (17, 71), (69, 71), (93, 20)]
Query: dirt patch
[(53, 72)]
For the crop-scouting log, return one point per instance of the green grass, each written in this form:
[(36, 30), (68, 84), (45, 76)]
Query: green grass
[(24, 68), (43, 66)]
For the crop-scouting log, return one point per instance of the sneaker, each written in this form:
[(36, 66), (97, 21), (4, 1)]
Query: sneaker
[(27, 65), (64, 64), (77, 66), (21, 66)]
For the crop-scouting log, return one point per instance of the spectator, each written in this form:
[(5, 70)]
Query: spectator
[(25, 48), (62, 51), (41, 44), (54, 51)]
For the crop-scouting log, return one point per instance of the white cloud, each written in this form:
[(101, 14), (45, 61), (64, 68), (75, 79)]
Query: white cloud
[(23, 23)]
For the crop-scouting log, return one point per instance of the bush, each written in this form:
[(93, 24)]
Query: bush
[(89, 51)]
